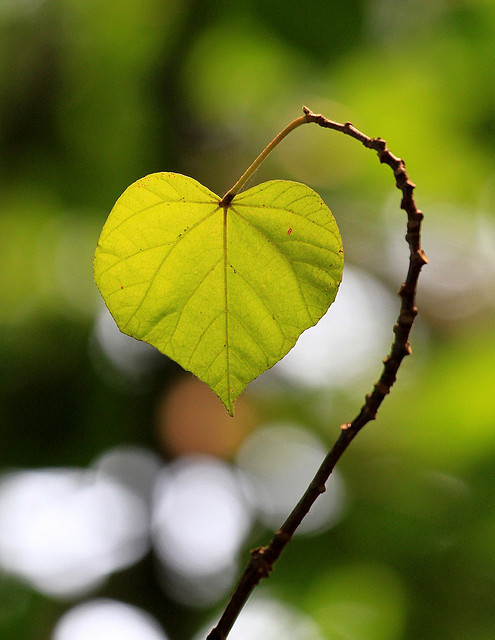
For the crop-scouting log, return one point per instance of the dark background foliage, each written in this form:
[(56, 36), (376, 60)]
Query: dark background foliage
[(125, 488)]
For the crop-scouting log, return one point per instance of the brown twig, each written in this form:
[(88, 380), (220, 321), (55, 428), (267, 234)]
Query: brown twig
[(263, 558)]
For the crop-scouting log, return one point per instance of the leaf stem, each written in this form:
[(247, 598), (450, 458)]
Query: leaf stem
[(229, 196)]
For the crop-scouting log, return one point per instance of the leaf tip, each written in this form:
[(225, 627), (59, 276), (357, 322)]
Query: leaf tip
[(230, 405)]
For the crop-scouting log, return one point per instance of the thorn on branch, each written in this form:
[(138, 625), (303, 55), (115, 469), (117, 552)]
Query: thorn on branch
[(259, 563), (422, 256), (382, 388)]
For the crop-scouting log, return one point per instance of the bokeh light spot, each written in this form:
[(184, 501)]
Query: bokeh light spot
[(134, 467), (462, 248), (64, 530), (124, 358), (200, 519), (104, 619), (348, 340), (265, 618), (280, 460)]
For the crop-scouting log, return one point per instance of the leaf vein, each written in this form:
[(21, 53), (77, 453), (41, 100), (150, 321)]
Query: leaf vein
[(310, 244), (250, 335), (162, 262), (284, 256), (265, 304), (202, 335), (152, 206), (226, 298), (295, 213), (186, 302)]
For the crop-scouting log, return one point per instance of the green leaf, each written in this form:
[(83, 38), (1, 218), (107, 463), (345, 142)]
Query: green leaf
[(225, 292)]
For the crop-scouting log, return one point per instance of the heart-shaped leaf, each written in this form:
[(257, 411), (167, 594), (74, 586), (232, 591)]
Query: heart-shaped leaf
[(223, 291)]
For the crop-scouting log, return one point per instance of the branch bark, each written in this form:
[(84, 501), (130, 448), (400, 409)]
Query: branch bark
[(263, 558)]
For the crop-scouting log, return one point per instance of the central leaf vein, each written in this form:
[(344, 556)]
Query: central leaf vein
[(227, 363)]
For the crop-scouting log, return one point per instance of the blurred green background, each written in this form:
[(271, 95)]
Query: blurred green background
[(128, 498)]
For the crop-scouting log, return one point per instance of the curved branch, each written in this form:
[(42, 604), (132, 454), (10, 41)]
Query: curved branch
[(263, 558)]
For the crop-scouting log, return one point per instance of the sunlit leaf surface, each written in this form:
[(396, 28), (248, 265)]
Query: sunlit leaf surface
[(225, 292)]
